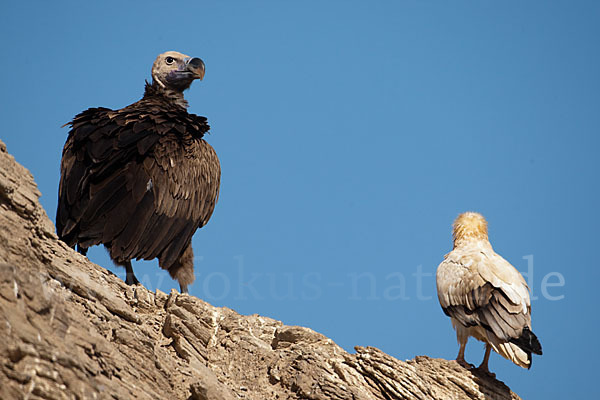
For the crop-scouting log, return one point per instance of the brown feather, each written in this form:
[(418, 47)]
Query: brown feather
[(139, 180)]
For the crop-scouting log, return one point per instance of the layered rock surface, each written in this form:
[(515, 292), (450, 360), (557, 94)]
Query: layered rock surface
[(71, 329)]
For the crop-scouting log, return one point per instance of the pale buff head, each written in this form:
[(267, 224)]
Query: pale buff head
[(469, 226), (176, 71)]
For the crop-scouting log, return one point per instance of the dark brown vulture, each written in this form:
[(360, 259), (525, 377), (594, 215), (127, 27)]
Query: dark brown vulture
[(141, 180)]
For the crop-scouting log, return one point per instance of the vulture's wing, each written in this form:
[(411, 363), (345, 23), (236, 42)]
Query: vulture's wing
[(480, 288), (140, 180), (75, 169)]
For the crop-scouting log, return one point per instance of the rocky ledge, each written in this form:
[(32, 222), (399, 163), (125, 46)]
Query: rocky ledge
[(71, 329)]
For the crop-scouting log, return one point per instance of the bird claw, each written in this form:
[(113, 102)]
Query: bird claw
[(484, 371), (131, 280), (465, 364)]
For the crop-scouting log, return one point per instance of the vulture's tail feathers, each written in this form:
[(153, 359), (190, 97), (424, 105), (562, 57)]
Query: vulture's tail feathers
[(528, 342)]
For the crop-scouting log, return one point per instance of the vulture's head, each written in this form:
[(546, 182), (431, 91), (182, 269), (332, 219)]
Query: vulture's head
[(469, 226), (176, 71)]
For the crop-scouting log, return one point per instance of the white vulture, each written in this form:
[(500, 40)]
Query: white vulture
[(485, 296)]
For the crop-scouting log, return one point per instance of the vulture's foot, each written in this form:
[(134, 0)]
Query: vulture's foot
[(464, 364), (483, 370), (483, 367), (130, 278), (81, 250)]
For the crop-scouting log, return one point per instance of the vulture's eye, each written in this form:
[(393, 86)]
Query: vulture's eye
[(169, 60)]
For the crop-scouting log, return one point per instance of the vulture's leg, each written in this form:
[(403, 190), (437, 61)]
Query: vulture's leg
[(460, 358), (183, 288), (484, 364), (183, 269), (462, 336), (130, 278), (81, 250)]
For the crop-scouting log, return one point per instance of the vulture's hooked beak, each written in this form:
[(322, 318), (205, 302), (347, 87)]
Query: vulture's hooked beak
[(196, 67)]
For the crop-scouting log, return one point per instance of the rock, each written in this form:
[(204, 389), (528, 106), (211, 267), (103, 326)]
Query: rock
[(209, 388), (72, 330)]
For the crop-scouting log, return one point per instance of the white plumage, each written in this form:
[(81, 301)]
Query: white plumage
[(485, 296)]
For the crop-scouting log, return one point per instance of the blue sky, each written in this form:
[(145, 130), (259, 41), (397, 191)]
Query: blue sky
[(350, 135)]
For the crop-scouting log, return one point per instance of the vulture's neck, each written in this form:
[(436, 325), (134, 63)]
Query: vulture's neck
[(477, 242), (155, 90)]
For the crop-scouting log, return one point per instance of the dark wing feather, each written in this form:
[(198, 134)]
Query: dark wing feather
[(74, 183), (140, 180), (181, 178)]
